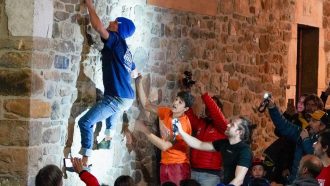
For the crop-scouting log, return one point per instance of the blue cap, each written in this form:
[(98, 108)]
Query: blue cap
[(126, 27)]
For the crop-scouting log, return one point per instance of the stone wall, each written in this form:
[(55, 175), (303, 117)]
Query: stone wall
[(238, 54), (49, 77), (38, 73)]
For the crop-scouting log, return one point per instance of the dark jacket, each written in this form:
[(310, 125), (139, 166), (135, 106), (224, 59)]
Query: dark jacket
[(292, 132)]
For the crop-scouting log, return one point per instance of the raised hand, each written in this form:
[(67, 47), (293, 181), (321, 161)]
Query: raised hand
[(200, 87), (77, 164)]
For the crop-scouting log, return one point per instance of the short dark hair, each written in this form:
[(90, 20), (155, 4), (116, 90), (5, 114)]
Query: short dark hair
[(124, 180), (186, 97), (49, 175), (325, 140)]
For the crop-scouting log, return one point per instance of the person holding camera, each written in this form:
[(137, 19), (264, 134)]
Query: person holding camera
[(51, 175), (88, 178), (175, 165), (206, 166), (236, 153), (304, 138)]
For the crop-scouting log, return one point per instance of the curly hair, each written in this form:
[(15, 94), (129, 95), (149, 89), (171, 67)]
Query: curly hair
[(317, 100)]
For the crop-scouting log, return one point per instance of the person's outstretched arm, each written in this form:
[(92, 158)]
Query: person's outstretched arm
[(194, 142), (240, 173), (219, 120), (142, 96), (95, 20), (155, 140)]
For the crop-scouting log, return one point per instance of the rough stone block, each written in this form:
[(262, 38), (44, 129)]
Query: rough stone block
[(52, 135), (68, 31), (155, 42), (41, 44), (52, 75), (68, 77), (69, 8), (20, 22), (35, 17), (32, 108), (18, 82), (35, 133), (10, 180), (61, 16), (14, 162), (15, 82), (233, 84), (264, 43), (16, 60), (61, 62), (64, 47), (41, 61)]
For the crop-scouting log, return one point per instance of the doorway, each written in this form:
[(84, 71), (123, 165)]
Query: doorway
[(307, 60)]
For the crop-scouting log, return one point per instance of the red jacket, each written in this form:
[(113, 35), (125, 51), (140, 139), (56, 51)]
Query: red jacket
[(88, 178), (207, 133)]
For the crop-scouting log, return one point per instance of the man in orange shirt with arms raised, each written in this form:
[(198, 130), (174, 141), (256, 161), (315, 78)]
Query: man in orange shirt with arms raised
[(175, 152)]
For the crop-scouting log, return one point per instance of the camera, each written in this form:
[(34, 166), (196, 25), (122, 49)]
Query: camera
[(187, 80), (265, 102), (175, 121), (68, 164)]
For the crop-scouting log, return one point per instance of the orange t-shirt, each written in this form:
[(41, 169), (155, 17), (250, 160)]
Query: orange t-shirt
[(179, 152)]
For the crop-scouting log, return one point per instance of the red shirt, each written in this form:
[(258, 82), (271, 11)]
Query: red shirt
[(324, 176), (88, 178)]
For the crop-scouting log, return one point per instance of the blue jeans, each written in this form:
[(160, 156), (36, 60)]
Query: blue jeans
[(109, 108), (205, 179)]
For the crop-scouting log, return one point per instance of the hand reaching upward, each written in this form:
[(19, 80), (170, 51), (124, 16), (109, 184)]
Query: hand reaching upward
[(200, 87)]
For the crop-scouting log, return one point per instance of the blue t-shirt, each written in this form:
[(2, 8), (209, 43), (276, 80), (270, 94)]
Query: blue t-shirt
[(117, 65)]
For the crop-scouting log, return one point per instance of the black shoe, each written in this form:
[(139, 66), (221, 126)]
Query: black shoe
[(104, 144)]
